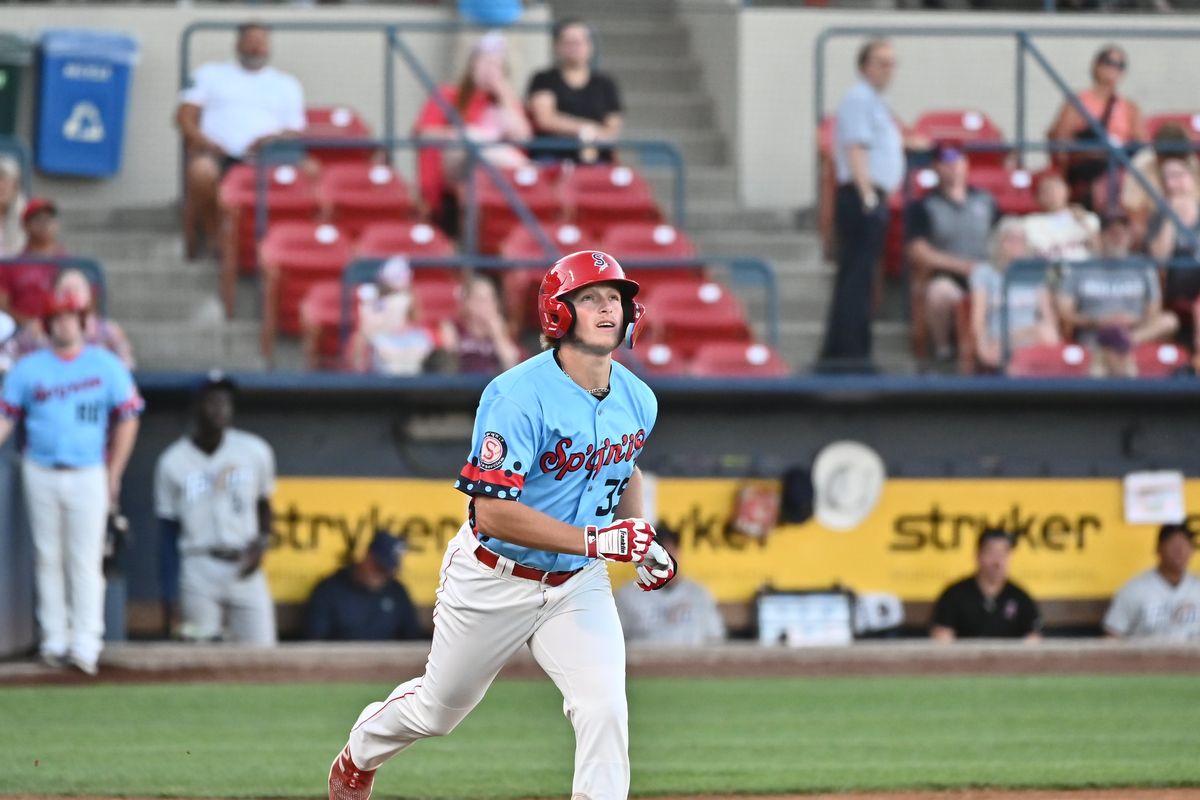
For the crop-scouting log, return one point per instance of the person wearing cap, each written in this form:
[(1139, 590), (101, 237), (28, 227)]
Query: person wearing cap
[(485, 102), (99, 330), (1061, 231), (1114, 306), (228, 112), (390, 340), (1028, 305), (947, 233), (987, 604), (574, 101), (24, 287), (869, 163), (212, 496), (364, 601), (12, 205), (79, 408), (1162, 603)]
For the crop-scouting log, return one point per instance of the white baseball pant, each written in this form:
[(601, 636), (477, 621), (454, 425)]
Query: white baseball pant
[(68, 511), (482, 617), (215, 602)]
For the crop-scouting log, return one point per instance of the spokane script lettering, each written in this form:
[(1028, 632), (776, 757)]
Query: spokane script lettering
[(560, 461)]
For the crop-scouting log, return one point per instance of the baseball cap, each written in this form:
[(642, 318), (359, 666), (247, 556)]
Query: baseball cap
[(215, 379), (990, 535), (1170, 529), (387, 549), (946, 152), (36, 206), (62, 303)]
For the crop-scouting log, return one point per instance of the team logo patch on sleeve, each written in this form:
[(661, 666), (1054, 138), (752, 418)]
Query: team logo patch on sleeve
[(492, 451)]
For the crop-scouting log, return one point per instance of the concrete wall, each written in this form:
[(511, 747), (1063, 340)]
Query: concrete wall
[(777, 133), (344, 68), (713, 26)]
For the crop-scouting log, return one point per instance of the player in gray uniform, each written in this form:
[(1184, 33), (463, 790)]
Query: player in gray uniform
[(1162, 603), (212, 492)]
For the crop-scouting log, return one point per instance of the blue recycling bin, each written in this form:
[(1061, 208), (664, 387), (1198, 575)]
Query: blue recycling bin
[(81, 109)]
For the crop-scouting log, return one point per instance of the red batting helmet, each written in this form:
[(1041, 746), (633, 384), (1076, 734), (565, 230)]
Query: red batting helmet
[(574, 272), (62, 303)]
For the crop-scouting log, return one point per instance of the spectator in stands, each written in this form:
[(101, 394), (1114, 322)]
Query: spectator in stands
[(12, 206), (364, 601), (486, 103), (1162, 603), (479, 339), (98, 331), (571, 100), (987, 604), (1119, 116), (8, 344), (1165, 243), (389, 340), (25, 287), (947, 236), (1114, 310), (1061, 231), (229, 111), (1030, 312), (869, 160), (681, 613), (1171, 140)]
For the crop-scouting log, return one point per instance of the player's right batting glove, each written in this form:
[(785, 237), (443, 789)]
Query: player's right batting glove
[(657, 569), (624, 540)]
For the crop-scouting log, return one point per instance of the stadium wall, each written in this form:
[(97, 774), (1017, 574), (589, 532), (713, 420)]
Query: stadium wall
[(776, 138), (335, 68), (16, 564)]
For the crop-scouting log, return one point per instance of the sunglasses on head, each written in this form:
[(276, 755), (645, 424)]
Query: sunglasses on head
[(1110, 61)]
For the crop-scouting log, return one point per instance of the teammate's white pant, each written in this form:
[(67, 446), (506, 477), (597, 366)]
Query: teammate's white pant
[(482, 617), (68, 510), (216, 603)]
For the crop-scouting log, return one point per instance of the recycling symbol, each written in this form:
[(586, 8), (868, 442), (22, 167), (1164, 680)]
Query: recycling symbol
[(84, 124)]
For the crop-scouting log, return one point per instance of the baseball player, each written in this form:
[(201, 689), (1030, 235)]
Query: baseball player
[(77, 403), (212, 491), (555, 492)]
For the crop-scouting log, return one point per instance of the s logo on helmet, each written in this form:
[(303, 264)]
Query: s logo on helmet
[(598, 260)]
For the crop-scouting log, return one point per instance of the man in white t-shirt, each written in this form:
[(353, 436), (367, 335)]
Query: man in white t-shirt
[(1060, 231), (1162, 603), (227, 112)]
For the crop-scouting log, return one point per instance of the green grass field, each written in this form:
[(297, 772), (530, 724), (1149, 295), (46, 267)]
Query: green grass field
[(688, 736)]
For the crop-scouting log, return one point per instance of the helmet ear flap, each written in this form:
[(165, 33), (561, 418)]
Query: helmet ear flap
[(557, 317), (635, 312)]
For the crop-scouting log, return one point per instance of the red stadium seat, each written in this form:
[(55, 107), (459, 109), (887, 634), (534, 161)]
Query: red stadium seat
[(295, 256), (1159, 359), (360, 193), (1188, 120), (1051, 361), (536, 189), (702, 313), (337, 122), (415, 240), (290, 196), (519, 284), (320, 314), (647, 241), (436, 302), (1012, 188), (737, 359), (964, 127), (604, 195), (657, 359)]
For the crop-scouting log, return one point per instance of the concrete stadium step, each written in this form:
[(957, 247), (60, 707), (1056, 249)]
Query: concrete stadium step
[(177, 345), (683, 109), (698, 146), (701, 183), (770, 245), (715, 215), (671, 40), (645, 30), (150, 247), (648, 74), (591, 11), (800, 344)]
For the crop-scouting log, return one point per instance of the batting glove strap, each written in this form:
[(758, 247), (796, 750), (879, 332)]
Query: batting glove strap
[(625, 540)]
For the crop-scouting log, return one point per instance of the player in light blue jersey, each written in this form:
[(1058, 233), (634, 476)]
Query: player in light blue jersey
[(555, 492), (80, 409)]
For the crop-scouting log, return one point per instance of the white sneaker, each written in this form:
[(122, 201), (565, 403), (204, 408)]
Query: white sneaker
[(83, 665)]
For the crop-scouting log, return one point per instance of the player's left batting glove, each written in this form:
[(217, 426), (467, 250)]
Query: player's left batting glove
[(624, 540), (656, 570)]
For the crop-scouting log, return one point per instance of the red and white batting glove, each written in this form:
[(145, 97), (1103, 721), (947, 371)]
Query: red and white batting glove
[(656, 570), (624, 540)]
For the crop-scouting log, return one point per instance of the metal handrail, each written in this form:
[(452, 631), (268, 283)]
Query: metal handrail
[(16, 147), (745, 270), (90, 267)]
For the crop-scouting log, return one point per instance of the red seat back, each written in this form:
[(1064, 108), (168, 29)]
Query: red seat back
[(686, 318), (602, 195), (337, 122), (1188, 120), (1051, 361), (302, 254), (535, 187), (646, 241), (415, 240), (738, 359), (1159, 359), (290, 196), (436, 302), (359, 193), (1012, 188), (964, 127)]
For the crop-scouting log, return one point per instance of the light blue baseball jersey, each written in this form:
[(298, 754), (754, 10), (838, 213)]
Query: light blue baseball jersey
[(67, 404), (541, 440)]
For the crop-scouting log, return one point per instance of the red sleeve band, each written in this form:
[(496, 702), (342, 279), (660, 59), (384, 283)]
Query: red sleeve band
[(12, 412)]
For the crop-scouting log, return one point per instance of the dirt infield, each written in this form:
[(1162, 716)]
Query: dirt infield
[(965, 794)]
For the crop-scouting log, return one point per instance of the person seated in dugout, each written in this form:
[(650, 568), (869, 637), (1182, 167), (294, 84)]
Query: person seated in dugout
[(987, 604), (363, 601)]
